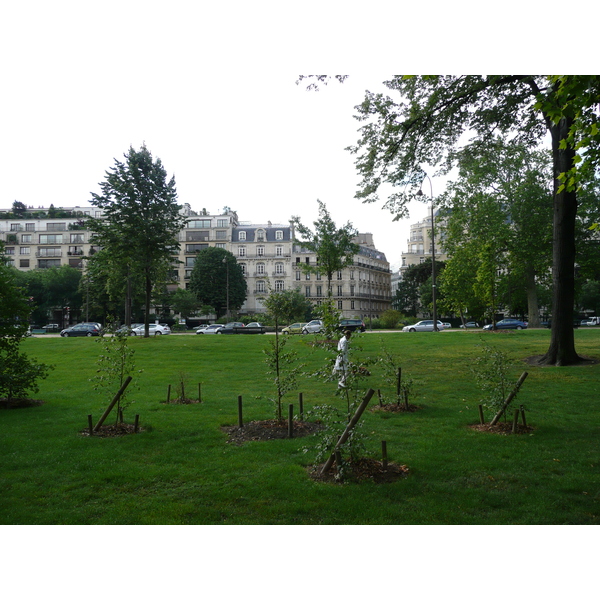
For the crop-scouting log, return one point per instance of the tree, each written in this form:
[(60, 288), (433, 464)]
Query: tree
[(141, 219), (432, 114), (19, 209), (333, 246), (218, 280), (184, 302)]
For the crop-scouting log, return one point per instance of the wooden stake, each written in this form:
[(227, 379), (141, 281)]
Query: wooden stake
[(169, 394), (510, 398), (113, 402), (379, 395), (523, 416), (515, 420), (136, 423), (301, 403), (349, 427), (199, 392), (384, 457), (90, 425), (240, 420), (481, 420), (399, 383), (291, 421)]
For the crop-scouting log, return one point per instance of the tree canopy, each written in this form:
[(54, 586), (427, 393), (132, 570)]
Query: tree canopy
[(216, 278), (141, 220), (334, 246), (430, 115)]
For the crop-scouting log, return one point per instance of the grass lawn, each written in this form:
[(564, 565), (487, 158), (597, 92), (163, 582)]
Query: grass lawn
[(181, 470)]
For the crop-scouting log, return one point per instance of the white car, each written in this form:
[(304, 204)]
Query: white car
[(210, 329), (423, 326), (155, 329), (314, 326)]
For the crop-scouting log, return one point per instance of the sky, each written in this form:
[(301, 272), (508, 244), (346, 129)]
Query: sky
[(210, 89)]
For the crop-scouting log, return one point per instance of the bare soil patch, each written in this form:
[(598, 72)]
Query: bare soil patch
[(501, 428), (535, 361), (363, 469), (20, 403), (269, 430), (113, 430), (395, 408)]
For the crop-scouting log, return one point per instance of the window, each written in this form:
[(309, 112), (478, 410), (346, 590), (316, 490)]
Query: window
[(318, 276), (339, 290), (197, 236), (49, 263), (340, 304), (189, 261), (260, 235), (319, 290), (243, 267), (15, 227), (307, 277), (49, 252), (279, 286), (278, 268), (279, 235), (24, 250), (191, 248), (24, 262), (242, 251), (51, 238), (221, 235), (278, 250), (307, 260), (307, 291), (26, 238), (298, 274), (76, 250), (29, 226), (56, 227), (339, 274), (220, 245), (260, 286), (199, 224), (352, 290), (351, 274), (242, 236), (260, 250), (9, 250), (351, 304), (77, 238), (260, 269), (222, 222)]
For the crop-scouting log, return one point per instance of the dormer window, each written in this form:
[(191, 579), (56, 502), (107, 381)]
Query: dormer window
[(279, 235), (242, 236), (260, 235)]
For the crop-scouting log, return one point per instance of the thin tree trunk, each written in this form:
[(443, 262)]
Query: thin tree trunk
[(533, 313), (147, 301)]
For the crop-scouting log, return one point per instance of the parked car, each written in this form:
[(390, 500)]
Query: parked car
[(423, 326), (210, 329), (51, 327), (87, 329), (154, 329), (447, 325), (314, 326), (293, 328), (506, 324), (352, 325), (236, 327), (200, 327), (470, 325)]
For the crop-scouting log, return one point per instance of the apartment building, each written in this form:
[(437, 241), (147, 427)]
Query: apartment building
[(266, 252), (419, 244)]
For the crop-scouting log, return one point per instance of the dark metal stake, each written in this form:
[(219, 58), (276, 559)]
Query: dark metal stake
[(91, 424), (240, 420), (169, 394), (384, 457), (199, 392), (301, 403), (291, 421), (136, 423)]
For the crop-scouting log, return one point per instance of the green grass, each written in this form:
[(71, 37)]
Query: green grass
[(180, 470)]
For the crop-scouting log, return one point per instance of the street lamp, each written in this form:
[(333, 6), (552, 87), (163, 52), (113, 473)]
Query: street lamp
[(433, 294), (226, 263)]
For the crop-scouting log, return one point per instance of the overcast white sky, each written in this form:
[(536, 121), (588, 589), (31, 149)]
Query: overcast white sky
[(211, 91)]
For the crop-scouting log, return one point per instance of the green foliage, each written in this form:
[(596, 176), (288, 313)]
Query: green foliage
[(390, 318), (184, 302), (20, 374), (492, 371), (330, 315), (399, 393), (333, 246), (217, 272), (286, 306), (115, 363), (141, 222)]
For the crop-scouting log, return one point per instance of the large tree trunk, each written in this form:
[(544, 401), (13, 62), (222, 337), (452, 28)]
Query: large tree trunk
[(562, 342)]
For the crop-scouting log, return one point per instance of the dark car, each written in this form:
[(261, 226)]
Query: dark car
[(233, 327), (507, 324), (352, 325), (87, 329)]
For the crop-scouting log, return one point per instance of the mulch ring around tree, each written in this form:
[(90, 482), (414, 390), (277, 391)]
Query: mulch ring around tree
[(117, 430), (363, 469), (501, 428), (395, 408), (20, 403), (268, 430)]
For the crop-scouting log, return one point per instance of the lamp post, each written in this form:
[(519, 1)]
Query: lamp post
[(433, 294), (227, 286)]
